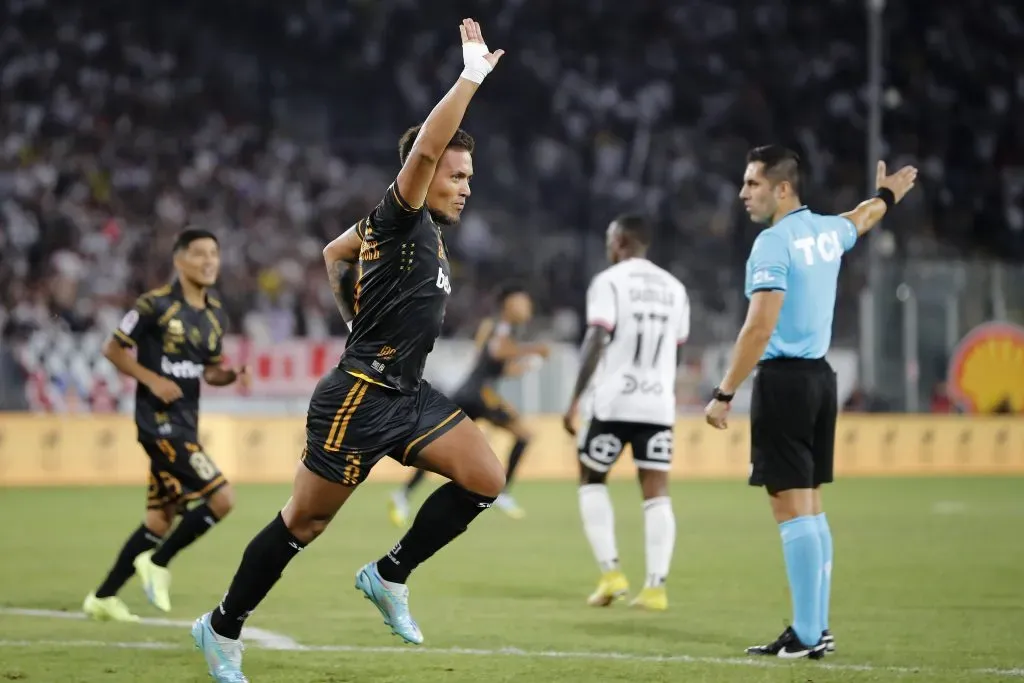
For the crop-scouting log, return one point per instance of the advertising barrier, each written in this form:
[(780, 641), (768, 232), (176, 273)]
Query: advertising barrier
[(46, 450)]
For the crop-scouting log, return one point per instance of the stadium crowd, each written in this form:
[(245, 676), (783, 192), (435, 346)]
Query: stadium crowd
[(275, 124)]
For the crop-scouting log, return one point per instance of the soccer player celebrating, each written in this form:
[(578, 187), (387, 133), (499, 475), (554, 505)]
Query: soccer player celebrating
[(637, 316), (499, 355), (375, 402), (176, 331), (791, 281)]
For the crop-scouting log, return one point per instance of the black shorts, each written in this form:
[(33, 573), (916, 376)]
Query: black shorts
[(352, 424), (179, 472), (486, 404), (793, 424), (601, 444)]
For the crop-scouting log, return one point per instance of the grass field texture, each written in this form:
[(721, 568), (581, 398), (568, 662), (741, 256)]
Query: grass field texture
[(927, 587)]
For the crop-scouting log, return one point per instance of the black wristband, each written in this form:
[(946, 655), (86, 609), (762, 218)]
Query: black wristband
[(718, 395), (887, 196)]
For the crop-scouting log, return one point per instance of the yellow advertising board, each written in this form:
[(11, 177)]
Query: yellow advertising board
[(99, 449)]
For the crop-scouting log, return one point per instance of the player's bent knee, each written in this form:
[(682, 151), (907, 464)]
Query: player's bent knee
[(653, 483), (159, 520), (305, 525), (486, 479), (520, 431), (590, 476), (222, 501)]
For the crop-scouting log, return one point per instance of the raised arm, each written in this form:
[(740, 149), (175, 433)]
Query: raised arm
[(446, 116), (891, 190)]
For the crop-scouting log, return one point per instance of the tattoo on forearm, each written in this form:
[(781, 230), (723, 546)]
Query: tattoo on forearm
[(335, 271)]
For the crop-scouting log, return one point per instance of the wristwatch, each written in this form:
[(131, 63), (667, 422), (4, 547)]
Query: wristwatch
[(719, 396)]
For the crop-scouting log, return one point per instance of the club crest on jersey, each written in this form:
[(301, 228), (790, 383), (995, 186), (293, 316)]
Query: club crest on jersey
[(174, 335), (443, 282)]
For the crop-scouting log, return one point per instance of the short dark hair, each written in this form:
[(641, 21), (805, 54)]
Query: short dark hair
[(461, 140), (635, 227), (780, 163), (186, 237), (510, 288)]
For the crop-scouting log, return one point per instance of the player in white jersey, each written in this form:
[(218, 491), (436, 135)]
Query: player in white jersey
[(637, 316)]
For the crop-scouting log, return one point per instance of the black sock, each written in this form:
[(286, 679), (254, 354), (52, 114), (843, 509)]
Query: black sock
[(417, 477), (266, 556), (514, 456), (193, 524), (444, 515), (139, 542)]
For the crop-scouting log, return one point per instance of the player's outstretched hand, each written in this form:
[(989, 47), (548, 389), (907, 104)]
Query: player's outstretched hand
[(899, 183), (164, 389), (472, 35)]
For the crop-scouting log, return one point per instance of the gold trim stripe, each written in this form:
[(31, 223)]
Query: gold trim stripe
[(341, 418), (419, 438), (169, 313)]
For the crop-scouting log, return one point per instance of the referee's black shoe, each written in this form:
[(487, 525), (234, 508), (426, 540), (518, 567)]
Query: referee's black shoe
[(788, 646), (829, 640)]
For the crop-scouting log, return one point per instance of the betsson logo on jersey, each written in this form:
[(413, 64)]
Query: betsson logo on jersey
[(443, 282), (183, 369), (827, 243)]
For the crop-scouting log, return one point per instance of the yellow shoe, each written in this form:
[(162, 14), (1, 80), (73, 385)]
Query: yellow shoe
[(613, 586), (107, 609), (654, 599), (398, 509), (156, 581)]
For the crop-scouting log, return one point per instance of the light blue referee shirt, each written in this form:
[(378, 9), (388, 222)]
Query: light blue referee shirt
[(800, 255)]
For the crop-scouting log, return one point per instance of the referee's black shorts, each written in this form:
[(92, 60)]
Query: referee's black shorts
[(793, 424)]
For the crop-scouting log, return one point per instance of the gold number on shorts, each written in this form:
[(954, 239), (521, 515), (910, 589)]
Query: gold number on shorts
[(350, 475), (203, 466)]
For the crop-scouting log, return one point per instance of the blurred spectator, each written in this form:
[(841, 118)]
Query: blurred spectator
[(275, 125)]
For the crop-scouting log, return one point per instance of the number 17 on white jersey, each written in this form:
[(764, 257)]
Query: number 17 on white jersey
[(647, 313)]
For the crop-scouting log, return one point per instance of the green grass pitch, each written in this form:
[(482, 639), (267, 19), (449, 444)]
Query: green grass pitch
[(927, 587)]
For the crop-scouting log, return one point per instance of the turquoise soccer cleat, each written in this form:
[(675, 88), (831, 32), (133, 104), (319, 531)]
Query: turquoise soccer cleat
[(223, 655), (392, 599)]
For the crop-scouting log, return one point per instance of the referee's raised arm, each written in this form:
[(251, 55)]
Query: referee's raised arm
[(791, 281)]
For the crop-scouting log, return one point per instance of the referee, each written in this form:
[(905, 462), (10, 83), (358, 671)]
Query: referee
[(791, 279)]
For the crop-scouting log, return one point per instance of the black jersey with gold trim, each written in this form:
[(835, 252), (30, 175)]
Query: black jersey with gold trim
[(177, 341), (402, 286)]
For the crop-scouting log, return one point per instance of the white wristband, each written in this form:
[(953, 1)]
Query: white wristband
[(473, 75), (477, 67)]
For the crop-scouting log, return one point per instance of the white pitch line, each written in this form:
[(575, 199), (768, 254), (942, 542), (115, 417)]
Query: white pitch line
[(143, 645), (276, 641), (257, 636)]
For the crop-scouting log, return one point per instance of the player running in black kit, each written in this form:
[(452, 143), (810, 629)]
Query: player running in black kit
[(499, 355), (176, 331), (375, 403)]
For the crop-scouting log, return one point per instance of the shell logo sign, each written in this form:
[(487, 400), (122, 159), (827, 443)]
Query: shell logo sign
[(986, 373)]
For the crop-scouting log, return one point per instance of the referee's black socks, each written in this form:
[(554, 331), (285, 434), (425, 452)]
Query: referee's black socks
[(444, 515), (265, 558)]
